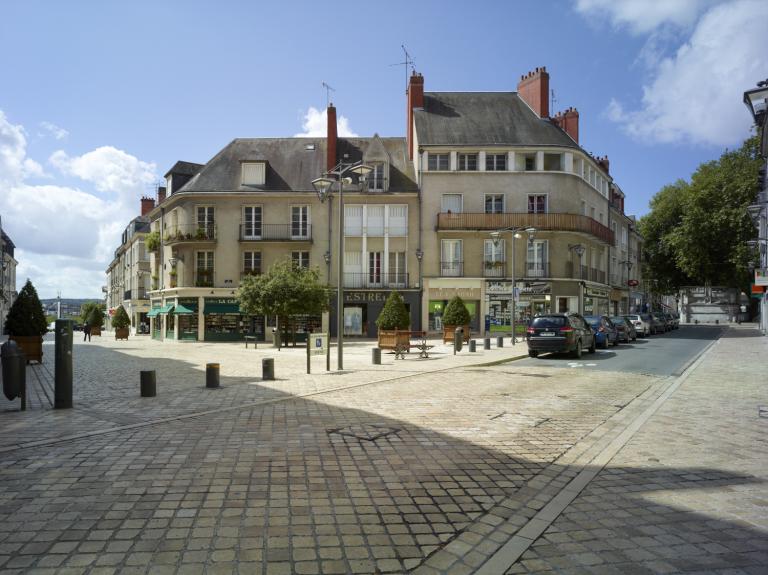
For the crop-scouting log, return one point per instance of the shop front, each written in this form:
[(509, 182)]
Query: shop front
[(223, 320), (535, 298), (596, 301), (439, 291), (155, 320), (362, 308), (186, 312)]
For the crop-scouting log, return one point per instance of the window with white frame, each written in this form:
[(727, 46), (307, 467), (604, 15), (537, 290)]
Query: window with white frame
[(299, 222), (376, 180), (537, 203), (397, 269), (494, 203), (438, 162), (374, 224), (493, 253), (300, 259), (252, 222), (251, 263), (525, 162), (397, 222), (466, 162), (353, 220), (623, 238), (353, 270), (253, 173), (204, 269), (205, 216), (495, 162), (375, 260), (452, 203), (451, 262), (536, 264)]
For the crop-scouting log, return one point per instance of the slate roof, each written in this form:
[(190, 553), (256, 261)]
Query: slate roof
[(292, 164), (187, 168), (484, 118)]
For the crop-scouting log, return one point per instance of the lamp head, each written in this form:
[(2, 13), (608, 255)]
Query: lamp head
[(754, 212), (496, 238), (322, 186), (361, 169)]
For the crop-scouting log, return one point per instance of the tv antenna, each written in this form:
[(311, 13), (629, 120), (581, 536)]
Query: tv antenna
[(328, 90), (553, 101), (408, 62)]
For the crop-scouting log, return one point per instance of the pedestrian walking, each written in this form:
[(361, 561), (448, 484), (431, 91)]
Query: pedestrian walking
[(87, 332)]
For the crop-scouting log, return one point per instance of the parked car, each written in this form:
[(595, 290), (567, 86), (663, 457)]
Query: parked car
[(604, 330), (673, 319), (559, 332), (625, 328), (664, 324), (641, 323)]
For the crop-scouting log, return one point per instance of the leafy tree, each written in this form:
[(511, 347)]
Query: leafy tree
[(92, 313), (456, 313), (394, 314), (121, 320), (285, 291), (696, 232), (26, 318)]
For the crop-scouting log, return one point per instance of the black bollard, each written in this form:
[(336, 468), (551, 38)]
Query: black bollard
[(63, 364), (487, 343), (268, 369), (212, 375), (148, 383), (500, 341), (472, 346), (376, 356)]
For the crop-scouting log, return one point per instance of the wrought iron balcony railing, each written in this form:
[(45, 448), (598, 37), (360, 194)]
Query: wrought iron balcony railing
[(276, 233), (375, 280), (452, 268), (189, 233), (494, 269)]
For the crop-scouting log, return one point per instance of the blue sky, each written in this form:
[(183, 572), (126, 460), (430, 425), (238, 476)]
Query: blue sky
[(98, 99)]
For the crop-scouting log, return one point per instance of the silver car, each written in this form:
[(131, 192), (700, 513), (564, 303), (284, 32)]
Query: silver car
[(642, 324)]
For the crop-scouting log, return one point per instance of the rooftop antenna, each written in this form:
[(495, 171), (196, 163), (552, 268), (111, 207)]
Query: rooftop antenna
[(408, 62), (553, 101), (328, 90)]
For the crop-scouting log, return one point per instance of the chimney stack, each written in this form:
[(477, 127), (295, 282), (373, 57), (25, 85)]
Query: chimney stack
[(533, 88), (332, 136), (568, 121), (415, 99), (147, 205), (160, 195), (604, 163)]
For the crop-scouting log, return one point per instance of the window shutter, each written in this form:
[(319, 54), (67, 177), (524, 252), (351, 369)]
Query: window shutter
[(253, 173)]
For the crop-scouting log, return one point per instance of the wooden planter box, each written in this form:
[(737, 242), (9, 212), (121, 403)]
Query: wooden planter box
[(389, 338), (448, 331), (122, 332), (31, 345), (95, 330)]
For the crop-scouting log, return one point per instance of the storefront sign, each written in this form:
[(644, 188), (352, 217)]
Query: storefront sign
[(448, 293), (596, 292), (498, 287), (227, 300), (536, 288), (366, 296)]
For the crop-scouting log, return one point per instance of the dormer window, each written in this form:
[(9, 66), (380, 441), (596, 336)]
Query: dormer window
[(377, 179), (254, 173)]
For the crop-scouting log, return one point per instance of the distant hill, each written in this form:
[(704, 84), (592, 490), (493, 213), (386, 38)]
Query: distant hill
[(69, 307)]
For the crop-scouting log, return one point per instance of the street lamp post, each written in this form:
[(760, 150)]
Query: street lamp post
[(323, 187), (629, 265), (496, 238), (579, 250)]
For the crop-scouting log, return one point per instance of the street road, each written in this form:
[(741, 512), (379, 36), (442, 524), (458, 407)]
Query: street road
[(662, 354)]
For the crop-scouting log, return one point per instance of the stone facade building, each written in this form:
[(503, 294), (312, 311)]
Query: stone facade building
[(8, 264)]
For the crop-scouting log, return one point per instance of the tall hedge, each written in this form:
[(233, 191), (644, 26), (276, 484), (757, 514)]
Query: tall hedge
[(26, 317), (394, 314), (456, 313)]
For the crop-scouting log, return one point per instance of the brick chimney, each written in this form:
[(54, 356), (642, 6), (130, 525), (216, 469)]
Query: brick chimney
[(568, 121), (415, 99), (604, 163), (147, 205), (533, 88), (332, 136), (160, 195)]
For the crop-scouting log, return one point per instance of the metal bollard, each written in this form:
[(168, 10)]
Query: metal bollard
[(212, 375), (268, 369), (472, 346), (63, 364), (458, 339), (487, 343), (500, 341), (148, 383), (376, 356)]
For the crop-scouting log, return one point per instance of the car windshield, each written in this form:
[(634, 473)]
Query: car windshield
[(617, 319), (548, 321)]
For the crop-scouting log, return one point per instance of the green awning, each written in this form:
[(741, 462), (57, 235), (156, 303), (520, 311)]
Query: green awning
[(166, 308), (221, 308), (181, 310), (153, 312)]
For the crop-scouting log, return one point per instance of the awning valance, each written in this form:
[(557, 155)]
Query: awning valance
[(167, 308), (232, 308), (153, 312), (181, 310)]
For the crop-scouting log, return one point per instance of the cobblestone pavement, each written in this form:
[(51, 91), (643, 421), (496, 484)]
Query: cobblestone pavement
[(381, 470)]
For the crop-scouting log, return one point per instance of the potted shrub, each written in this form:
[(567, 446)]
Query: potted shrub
[(152, 241), (455, 315), (393, 323), (121, 322), (26, 323), (95, 319)]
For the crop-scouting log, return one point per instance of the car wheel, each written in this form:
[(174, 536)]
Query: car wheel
[(576, 353), (592, 347), (533, 353)]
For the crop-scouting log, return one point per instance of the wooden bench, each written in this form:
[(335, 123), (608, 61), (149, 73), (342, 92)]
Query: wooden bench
[(252, 338)]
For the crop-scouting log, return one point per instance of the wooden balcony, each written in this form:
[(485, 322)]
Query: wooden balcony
[(542, 222)]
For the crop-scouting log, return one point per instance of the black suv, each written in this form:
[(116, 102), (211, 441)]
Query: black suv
[(560, 332)]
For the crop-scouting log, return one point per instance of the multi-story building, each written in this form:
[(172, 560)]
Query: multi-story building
[(7, 277), (128, 275), (626, 295), (254, 204), (494, 161)]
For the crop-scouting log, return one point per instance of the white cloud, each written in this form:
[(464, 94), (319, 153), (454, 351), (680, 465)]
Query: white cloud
[(66, 236), (315, 125), (695, 95), (56, 131), (643, 16)]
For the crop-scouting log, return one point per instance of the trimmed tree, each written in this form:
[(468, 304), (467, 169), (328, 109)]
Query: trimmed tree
[(26, 323), (456, 313), (285, 291), (394, 314), (121, 320)]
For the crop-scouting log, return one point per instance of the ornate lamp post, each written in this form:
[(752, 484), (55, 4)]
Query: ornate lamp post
[(323, 187), (496, 238)]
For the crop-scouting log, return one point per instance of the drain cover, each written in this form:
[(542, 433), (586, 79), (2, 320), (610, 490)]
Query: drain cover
[(365, 431)]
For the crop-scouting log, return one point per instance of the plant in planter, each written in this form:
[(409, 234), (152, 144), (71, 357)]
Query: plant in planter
[(121, 322), (201, 234), (95, 318), (455, 315), (393, 318), (173, 277), (26, 323), (152, 241)]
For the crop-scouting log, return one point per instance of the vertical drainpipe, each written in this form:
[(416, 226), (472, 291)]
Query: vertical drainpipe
[(420, 247)]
